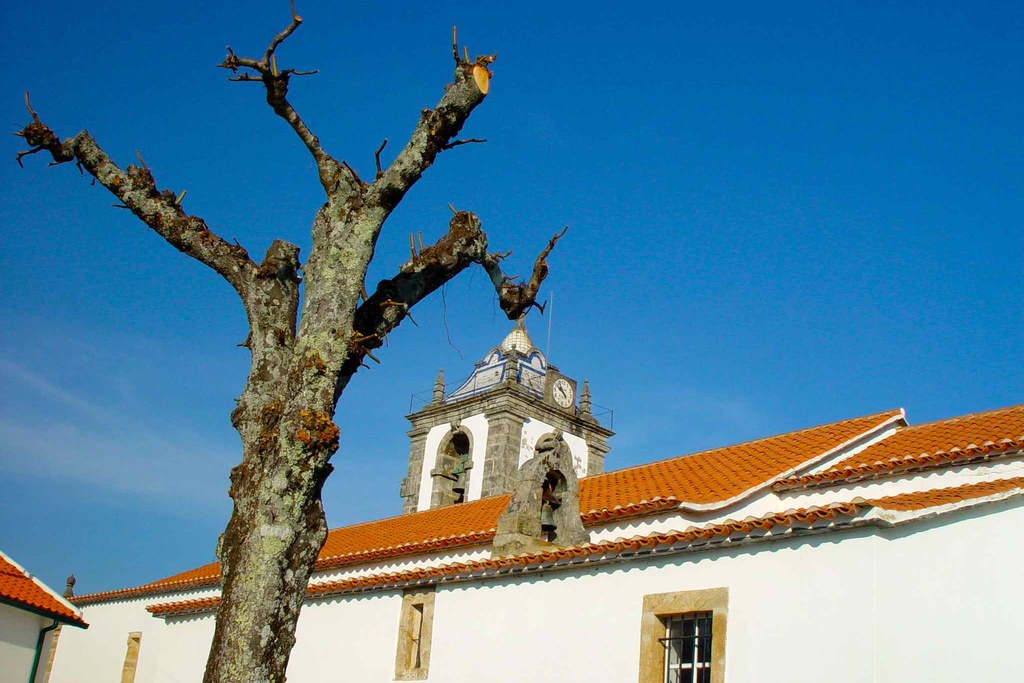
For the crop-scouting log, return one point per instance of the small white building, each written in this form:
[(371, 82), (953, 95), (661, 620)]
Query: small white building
[(866, 550), (31, 617)]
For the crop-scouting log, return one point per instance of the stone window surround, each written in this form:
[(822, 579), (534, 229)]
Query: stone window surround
[(417, 606), (131, 657), (657, 606)]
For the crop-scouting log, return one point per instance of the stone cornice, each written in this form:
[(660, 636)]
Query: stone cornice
[(510, 398)]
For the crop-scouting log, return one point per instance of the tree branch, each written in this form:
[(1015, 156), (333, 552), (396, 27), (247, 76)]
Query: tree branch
[(434, 132), (465, 243), (376, 157), (137, 191), (280, 37), (455, 143), (516, 298), (276, 83)]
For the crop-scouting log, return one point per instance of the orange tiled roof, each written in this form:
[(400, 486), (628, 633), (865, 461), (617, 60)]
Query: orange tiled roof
[(21, 590), (815, 517), (444, 528), (920, 500), (703, 478), (933, 444), (721, 474), (833, 515)]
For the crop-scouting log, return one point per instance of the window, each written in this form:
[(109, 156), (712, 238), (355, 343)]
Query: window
[(131, 657), (682, 636), (412, 660), (688, 648)]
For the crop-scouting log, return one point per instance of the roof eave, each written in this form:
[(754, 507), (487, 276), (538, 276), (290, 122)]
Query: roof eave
[(71, 621)]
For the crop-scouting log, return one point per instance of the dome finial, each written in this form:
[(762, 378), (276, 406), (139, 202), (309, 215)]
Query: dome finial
[(518, 339)]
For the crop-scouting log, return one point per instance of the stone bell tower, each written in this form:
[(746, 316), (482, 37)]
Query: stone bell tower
[(469, 443)]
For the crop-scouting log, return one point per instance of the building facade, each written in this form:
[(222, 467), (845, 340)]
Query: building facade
[(32, 616), (863, 550)]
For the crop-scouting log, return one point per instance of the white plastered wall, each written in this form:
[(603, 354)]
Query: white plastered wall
[(476, 425), (19, 632), (936, 600), (777, 595), (534, 429), (401, 564), (96, 655), (907, 482), (950, 605), (351, 638)]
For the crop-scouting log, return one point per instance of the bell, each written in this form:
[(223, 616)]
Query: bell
[(547, 518), (458, 488)]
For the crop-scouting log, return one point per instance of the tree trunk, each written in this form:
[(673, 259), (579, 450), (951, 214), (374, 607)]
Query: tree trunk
[(301, 365), (285, 420), (269, 547)]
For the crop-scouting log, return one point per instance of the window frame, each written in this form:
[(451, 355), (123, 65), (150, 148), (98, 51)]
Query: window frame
[(415, 629), (659, 608), (131, 657)]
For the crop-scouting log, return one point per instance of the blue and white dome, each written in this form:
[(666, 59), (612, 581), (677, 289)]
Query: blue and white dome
[(516, 360)]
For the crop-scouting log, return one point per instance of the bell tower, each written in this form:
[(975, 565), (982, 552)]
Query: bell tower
[(469, 443)]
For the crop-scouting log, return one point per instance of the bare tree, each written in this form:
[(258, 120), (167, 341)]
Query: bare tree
[(302, 362)]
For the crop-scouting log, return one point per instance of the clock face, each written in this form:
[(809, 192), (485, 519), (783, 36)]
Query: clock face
[(562, 393)]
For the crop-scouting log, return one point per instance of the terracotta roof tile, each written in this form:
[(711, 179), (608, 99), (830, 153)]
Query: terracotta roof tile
[(20, 589), (703, 478), (723, 473), (439, 528), (830, 516), (933, 444), (729, 530), (919, 500)]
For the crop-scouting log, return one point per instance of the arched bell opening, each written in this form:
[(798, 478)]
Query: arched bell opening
[(451, 471), (553, 487), (544, 509)]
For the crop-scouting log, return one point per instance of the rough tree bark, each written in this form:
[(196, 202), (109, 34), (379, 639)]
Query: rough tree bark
[(302, 362)]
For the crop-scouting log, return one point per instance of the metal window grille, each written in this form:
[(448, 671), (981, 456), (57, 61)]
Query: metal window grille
[(688, 648)]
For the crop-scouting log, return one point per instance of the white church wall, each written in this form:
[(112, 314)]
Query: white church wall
[(469, 554), (345, 638), (351, 638), (644, 526), (19, 631), (96, 654), (935, 600), (1003, 468), (504, 630), (949, 594), (534, 429), (586, 625), (183, 645)]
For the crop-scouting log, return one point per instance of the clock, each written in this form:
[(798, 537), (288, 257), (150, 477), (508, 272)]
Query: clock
[(562, 392)]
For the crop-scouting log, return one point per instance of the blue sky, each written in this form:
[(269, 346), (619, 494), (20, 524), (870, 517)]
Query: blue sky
[(780, 215)]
